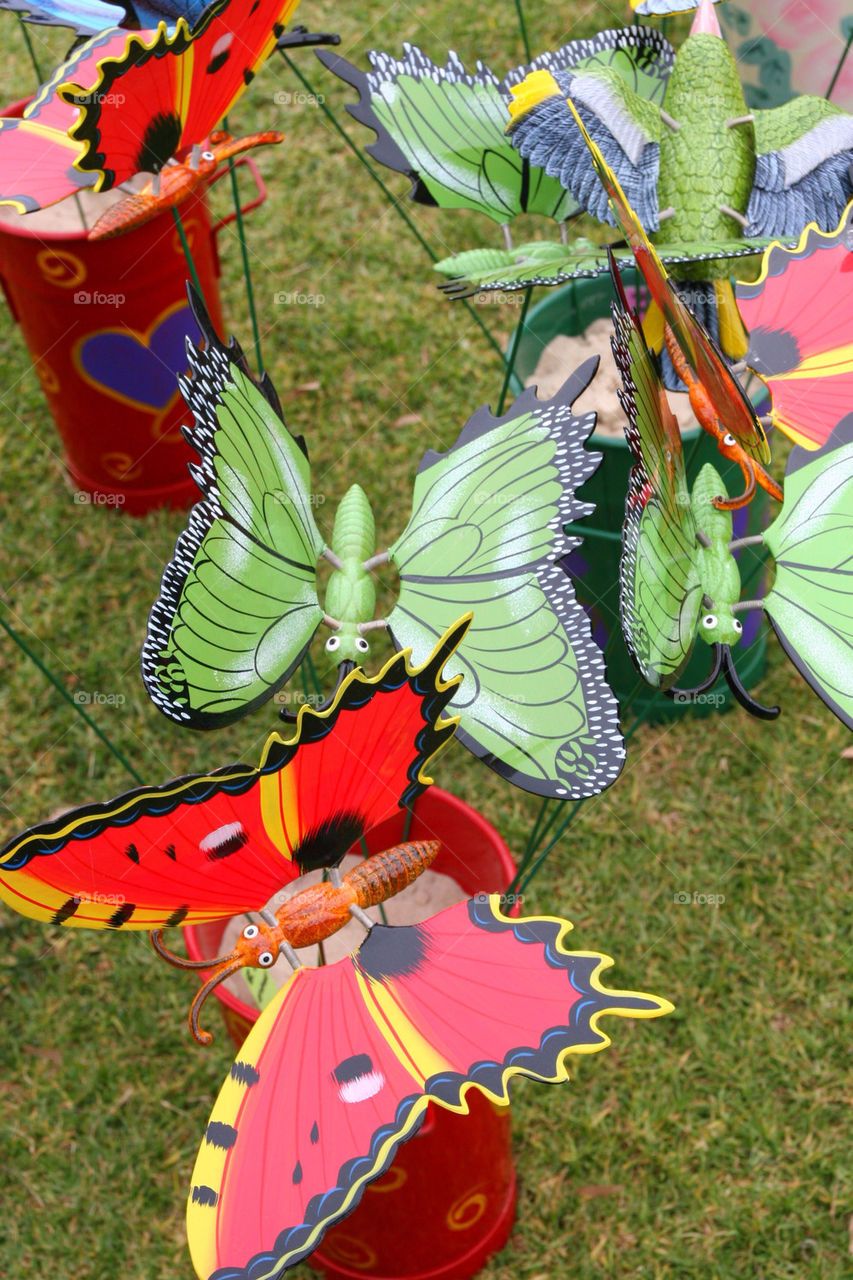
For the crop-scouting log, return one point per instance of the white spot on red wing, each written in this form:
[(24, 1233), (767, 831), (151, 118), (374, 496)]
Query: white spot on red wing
[(362, 1087), (230, 832)]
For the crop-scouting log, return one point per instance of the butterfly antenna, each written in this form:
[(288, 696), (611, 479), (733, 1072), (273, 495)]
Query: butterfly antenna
[(741, 694), (225, 971), (689, 695), (180, 962)]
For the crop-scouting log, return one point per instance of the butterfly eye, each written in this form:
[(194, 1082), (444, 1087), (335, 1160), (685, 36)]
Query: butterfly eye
[(333, 643), (208, 155), (250, 931), (737, 624), (729, 440), (265, 959), (709, 621), (362, 645)]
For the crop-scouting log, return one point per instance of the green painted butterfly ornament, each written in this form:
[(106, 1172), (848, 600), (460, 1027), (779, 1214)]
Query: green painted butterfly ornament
[(239, 602)]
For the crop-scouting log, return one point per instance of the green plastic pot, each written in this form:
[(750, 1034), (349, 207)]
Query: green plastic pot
[(594, 565)]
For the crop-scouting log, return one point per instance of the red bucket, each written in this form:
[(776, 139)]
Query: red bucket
[(448, 1201), (105, 323)]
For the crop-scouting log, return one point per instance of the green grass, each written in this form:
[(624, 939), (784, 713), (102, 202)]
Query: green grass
[(720, 1128)]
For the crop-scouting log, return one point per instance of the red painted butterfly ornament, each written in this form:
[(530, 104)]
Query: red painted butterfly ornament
[(341, 1065), (127, 102), (215, 845)]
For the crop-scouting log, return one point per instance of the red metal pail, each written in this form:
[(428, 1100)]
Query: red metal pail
[(448, 1201), (105, 322)]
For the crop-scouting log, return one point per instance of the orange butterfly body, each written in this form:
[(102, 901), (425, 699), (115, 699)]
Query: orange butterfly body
[(175, 182), (308, 918)]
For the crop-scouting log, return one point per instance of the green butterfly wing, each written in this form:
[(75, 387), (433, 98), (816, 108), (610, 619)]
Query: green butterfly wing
[(446, 130), (238, 601), (486, 534), (811, 601), (660, 594)]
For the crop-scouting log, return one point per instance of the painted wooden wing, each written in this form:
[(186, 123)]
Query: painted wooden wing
[(214, 845), (340, 1067), (799, 314)]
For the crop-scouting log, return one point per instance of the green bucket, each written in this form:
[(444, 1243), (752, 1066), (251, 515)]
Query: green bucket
[(594, 566)]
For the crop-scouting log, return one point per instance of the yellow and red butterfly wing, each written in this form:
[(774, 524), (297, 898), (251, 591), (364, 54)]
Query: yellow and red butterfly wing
[(37, 155), (341, 1065), (207, 847), (167, 90), (798, 313)]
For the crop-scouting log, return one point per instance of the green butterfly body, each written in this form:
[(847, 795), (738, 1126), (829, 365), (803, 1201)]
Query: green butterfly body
[(704, 164), (717, 569), (351, 593)]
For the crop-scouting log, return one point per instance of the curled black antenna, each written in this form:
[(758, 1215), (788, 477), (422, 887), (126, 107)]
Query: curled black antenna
[(344, 668), (690, 695), (746, 701)]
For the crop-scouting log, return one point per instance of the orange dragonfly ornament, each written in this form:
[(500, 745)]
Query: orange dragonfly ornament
[(176, 180), (716, 397)]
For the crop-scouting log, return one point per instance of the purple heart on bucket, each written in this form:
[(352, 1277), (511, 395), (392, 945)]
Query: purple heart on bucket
[(138, 369)]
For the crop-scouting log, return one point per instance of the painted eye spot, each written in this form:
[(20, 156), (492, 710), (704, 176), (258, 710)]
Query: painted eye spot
[(738, 625), (356, 1078), (160, 141), (362, 645), (729, 440), (208, 155), (224, 841), (220, 53), (333, 643), (709, 621), (265, 959), (250, 931)]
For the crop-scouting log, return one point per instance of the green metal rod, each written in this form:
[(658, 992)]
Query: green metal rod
[(585, 531), (330, 116), (837, 71), (524, 875), (513, 351), (187, 254), (523, 27), (60, 688), (241, 234), (31, 50)]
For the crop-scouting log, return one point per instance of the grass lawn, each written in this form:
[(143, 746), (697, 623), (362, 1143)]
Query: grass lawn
[(711, 1143)]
